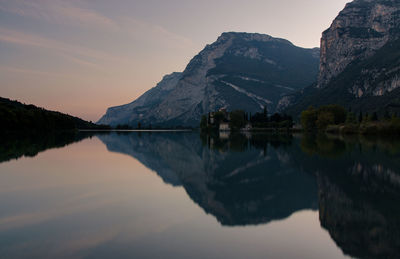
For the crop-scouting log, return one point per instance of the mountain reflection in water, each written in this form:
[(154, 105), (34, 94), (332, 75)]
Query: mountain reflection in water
[(254, 179), (353, 182), (238, 181)]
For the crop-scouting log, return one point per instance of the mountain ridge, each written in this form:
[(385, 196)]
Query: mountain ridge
[(239, 71)]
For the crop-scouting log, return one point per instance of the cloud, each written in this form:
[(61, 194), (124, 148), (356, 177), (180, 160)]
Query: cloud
[(74, 53), (156, 35), (58, 11), (30, 71), (153, 32)]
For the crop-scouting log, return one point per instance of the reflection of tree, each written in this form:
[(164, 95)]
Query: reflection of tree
[(389, 144), (322, 145), (335, 146), (238, 142), (16, 145)]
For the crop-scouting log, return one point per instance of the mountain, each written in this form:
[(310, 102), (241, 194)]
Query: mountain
[(239, 71), (22, 117), (134, 112), (360, 60)]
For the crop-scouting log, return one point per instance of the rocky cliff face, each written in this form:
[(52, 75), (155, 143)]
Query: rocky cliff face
[(362, 28), (360, 60), (239, 71), (136, 110)]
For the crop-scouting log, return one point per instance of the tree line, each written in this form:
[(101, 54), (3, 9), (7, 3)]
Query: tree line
[(15, 116), (335, 119), (239, 119)]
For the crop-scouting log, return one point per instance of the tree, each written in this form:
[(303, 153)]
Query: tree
[(237, 120), (276, 117), (387, 115), (308, 118), (218, 118), (351, 118), (360, 117), (367, 118), (374, 116), (265, 114), (324, 120), (339, 113), (203, 122)]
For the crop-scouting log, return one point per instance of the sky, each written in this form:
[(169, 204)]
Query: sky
[(82, 56)]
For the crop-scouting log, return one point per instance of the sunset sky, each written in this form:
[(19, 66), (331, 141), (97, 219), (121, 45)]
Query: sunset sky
[(82, 56)]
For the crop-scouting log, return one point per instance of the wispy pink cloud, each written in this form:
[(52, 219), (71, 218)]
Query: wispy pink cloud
[(58, 11), (30, 71), (75, 53), (145, 29)]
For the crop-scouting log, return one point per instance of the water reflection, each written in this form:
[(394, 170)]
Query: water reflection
[(353, 182), (359, 192), (239, 180), (17, 145), (245, 180)]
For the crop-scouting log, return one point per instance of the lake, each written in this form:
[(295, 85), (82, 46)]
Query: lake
[(186, 195)]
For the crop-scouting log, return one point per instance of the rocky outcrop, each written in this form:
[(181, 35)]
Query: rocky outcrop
[(239, 71), (362, 28), (134, 111), (360, 61)]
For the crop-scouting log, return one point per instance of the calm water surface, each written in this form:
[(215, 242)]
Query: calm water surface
[(182, 195)]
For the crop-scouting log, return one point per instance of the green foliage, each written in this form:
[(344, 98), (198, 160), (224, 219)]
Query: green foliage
[(338, 112), (351, 118), (322, 117), (203, 122), (309, 118), (367, 118), (238, 120), (325, 118)]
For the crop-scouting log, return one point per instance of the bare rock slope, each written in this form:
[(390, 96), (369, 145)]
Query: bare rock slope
[(239, 71)]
